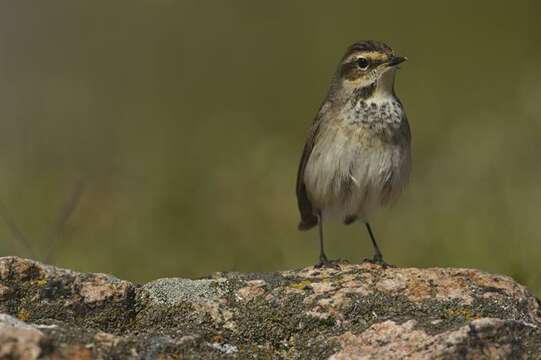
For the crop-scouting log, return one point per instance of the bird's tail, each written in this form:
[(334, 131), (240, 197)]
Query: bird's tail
[(308, 222)]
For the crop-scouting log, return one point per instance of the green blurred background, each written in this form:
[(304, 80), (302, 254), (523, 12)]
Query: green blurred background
[(161, 138)]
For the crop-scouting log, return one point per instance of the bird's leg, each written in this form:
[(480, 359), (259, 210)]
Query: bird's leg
[(323, 260), (378, 256)]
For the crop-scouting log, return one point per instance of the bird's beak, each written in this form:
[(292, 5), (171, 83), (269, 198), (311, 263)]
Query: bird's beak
[(395, 60)]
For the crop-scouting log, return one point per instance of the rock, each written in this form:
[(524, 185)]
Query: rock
[(360, 311), (481, 338), (21, 341)]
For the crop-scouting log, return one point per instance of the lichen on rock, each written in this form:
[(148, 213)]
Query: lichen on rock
[(359, 311)]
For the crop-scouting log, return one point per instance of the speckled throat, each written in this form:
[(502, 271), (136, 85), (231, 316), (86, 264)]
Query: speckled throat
[(383, 116)]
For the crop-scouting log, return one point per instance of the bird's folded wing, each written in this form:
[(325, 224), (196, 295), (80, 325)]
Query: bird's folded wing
[(308, 217)]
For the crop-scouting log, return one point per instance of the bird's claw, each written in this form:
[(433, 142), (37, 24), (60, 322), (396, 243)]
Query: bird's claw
[(324, 262), (378, 260)]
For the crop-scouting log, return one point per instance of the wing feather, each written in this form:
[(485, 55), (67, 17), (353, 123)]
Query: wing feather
[(307, 212)]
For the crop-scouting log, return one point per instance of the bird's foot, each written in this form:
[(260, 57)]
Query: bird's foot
[(378, 260), (324, 262)]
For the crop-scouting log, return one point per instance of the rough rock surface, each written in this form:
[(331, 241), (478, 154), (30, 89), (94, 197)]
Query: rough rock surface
[(357, 312)]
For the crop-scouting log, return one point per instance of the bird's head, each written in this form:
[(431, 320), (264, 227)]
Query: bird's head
[(368, 65)]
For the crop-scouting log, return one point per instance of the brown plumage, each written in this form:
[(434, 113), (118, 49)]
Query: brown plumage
[(308, 215), (356, 157)]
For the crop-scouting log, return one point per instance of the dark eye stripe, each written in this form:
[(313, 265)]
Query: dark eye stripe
[(351, 70), (377, 62)]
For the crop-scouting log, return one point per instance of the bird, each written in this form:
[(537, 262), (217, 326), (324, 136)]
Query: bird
[(357, 154)]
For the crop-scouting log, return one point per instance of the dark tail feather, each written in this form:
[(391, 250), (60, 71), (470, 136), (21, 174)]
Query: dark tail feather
[(308, 223)]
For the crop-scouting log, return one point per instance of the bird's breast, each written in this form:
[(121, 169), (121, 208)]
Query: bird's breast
[(383, 118), (358, 160)]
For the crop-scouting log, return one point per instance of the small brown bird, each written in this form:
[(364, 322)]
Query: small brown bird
[(357, 156)]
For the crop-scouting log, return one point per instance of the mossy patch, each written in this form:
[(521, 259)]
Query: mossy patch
[(284, 327), (60, 301), (463, 312), (23, 314), (301, 285)]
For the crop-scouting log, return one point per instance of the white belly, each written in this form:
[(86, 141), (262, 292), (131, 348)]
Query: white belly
[(352, 173)]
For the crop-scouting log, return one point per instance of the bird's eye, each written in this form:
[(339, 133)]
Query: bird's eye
[(362, 63)]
